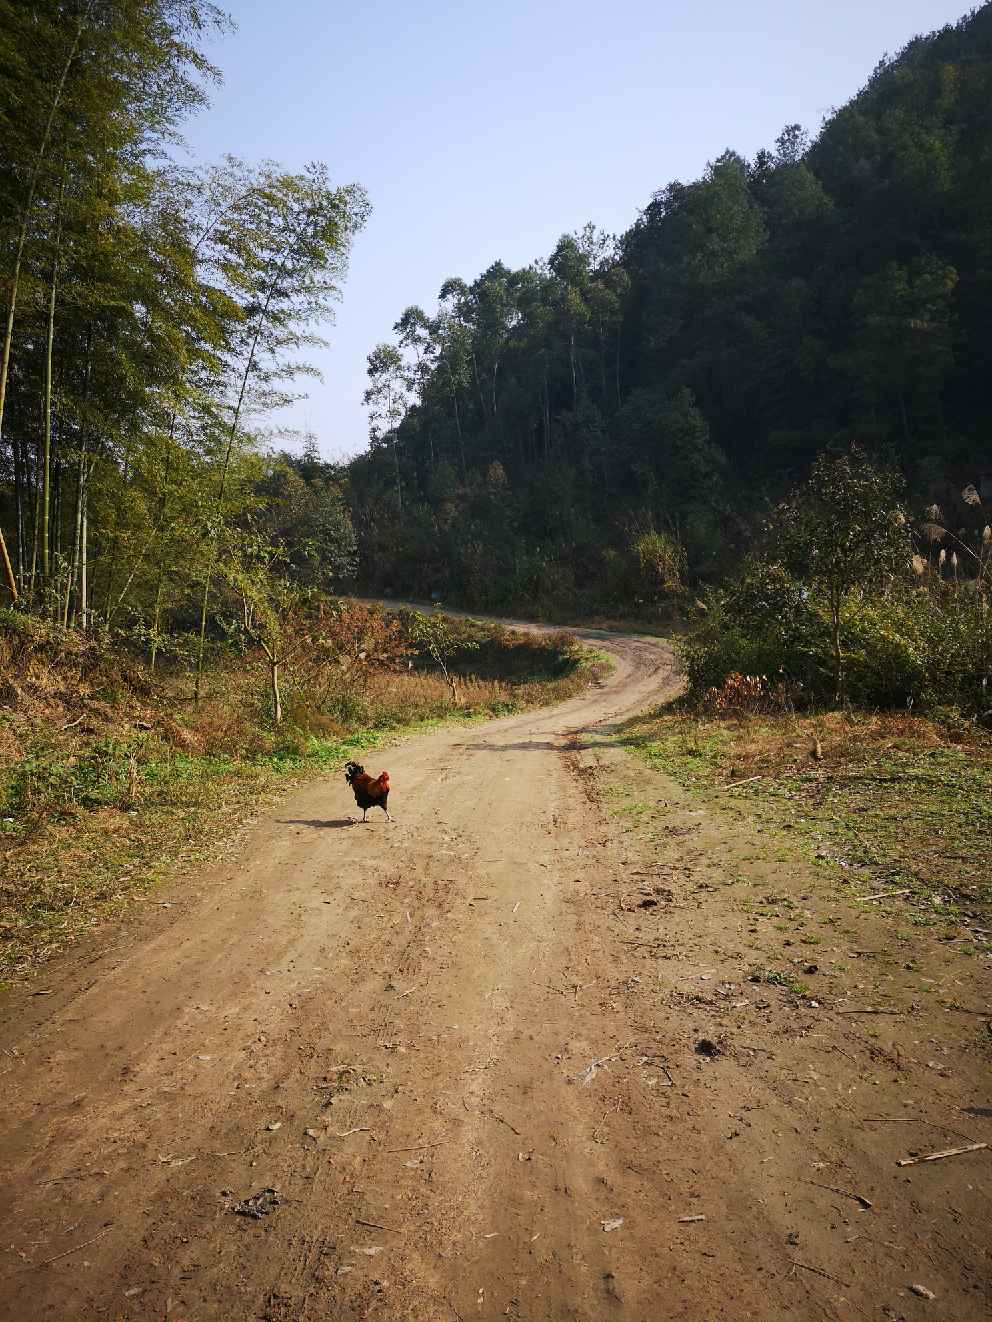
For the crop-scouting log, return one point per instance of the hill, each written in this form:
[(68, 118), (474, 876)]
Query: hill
[(595, 428)]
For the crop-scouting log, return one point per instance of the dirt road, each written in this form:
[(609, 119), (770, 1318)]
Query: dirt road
[(464, 1050)]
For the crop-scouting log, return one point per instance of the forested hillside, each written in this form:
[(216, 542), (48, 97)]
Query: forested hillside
[(590, 430)]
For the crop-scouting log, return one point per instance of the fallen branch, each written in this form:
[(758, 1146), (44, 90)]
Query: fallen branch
[(883, 895), (807, 1268), (491, 1115), (75, 1249), (360, 1129), (73, 1175), (939, 1156), (845, 1193), (594, 1066), (419, 1147), (734, 783), (893, 1120), (870, 1010), (374, 1225)]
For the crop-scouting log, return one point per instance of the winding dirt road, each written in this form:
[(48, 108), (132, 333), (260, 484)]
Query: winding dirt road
[(464, 1051)]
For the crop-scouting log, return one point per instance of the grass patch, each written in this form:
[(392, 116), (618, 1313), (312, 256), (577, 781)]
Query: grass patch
[(882, 802)]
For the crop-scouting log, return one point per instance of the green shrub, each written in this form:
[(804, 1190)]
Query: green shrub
[(885, 663), (767, 626), (921, 648)]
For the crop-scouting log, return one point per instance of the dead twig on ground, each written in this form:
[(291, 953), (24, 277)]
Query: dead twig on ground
[(418, 1147), (939, 1156), (883, 895), (870, 1009), (73, 1175), (820, 1272), (845, 1193), (65, 1253), (893, 1120), (594, 1066), (491, 1115)]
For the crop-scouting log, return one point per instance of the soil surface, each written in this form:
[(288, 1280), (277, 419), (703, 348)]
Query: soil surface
[(498, 1059)]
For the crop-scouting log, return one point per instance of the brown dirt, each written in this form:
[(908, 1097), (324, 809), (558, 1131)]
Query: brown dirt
[(458, 1045)]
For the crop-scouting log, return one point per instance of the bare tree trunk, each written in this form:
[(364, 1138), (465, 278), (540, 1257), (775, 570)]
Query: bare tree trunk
[(478, 384), (458, 416), (276, 695), (83, 604), (35, 533), (46, 467), (20, 468), (77, 580), (156, 618), (399, 480), (8, 569), (461, 438), (115, 556), (77, 532)]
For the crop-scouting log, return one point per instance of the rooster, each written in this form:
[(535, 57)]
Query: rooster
[(370, 792)]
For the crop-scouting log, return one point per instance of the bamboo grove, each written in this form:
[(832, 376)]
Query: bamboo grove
[(154, 315), (587, 429)]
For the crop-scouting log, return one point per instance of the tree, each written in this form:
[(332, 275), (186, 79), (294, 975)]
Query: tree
[(88, 88), (386, 398), (275, 611), (305, 516), (433, 633), (843, 528), (292, 237)]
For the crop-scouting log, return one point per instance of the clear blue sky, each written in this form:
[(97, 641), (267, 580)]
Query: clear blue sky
[(485, 131)]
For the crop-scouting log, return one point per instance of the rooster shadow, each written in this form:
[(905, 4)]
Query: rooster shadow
[(334, 824)]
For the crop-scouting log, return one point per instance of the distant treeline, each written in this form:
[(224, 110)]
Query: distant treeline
[(594, 427)]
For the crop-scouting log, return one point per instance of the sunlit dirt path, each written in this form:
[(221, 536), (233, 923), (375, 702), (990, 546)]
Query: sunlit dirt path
[(462, 1050)]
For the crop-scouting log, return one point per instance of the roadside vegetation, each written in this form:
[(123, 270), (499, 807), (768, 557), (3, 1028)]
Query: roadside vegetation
[(840, 691), (883, 803), (112, 776)]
